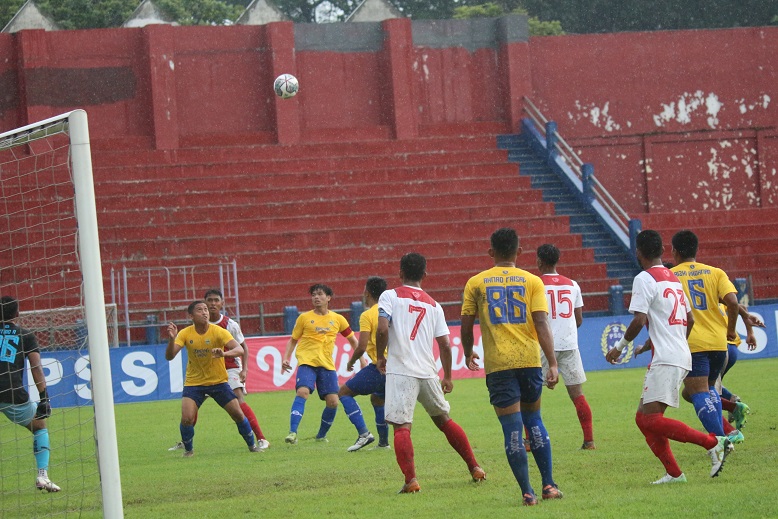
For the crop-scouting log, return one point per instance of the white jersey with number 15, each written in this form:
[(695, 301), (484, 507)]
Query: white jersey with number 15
[(564, 296)]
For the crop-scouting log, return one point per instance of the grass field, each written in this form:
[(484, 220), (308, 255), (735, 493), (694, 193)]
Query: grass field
[(311, 479)]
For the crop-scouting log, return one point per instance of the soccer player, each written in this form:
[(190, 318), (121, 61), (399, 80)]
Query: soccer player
[(314, 338), (16, 345), (408, 321), (206, 345), (659, 302), (237, 367), (369, 381), (566, 315), (511, 306), (704, 287)]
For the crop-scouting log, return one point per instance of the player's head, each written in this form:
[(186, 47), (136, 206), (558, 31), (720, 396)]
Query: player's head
[(685, 244), (668, 264), (649, 245), (374, 287), (413, 267), (198, 311), (215, 301), (548, 256), (9, 308), (320, 295), (505, 244)]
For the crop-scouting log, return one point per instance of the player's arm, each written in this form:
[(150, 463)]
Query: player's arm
[(244, 363), (231, 349), (359, 349), (468, 342), (750, 319), (733, 309), (444, 345), (546, 340), (44, 407), (639, 320), (172, 348), (578, 313), (286, 365), (381, 340)]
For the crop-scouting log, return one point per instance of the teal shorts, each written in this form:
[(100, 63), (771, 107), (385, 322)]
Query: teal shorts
[(20, 413)]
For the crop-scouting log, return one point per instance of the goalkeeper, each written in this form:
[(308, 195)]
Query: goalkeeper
[(17, 344)]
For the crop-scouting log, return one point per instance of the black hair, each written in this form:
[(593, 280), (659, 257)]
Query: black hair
[(320, 286), (668, 264), (192, 305), (9, 308), (413, 266), (213, 292), (375, 286), (548, 254), (649, 243), (686, 243), (505, 242)]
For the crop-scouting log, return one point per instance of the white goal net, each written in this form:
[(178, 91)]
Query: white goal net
[(50, 263)]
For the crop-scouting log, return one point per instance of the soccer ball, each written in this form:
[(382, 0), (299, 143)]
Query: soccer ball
[(286, 86)]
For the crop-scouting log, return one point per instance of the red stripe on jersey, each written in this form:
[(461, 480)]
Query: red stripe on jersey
[(556, 280), (660, 273), (416, 294), (346, 332)]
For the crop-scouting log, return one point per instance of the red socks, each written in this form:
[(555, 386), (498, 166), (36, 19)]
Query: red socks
[(727, 426), (584, 416), (252, 420), (458, 439), (728, 405), (403, 451), (658, 424)]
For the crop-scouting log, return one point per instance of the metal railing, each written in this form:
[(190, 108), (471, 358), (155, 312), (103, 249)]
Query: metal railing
[(583, 178)]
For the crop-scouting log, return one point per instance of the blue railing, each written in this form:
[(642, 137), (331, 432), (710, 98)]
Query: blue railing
[(579, 177)]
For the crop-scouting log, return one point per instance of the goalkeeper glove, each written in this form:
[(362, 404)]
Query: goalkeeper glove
[(44, 407)]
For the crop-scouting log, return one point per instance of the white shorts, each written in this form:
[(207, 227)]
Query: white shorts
[(569, 364), (403, 392), (662, 384), (233, 379)]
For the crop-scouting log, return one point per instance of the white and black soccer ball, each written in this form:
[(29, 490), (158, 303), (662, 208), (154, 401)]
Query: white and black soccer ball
[(286, 86)]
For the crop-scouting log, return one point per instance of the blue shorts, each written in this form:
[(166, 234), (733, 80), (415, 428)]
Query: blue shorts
[(708, 364), (221, 393), (369, 381), (732, 352), (513, 385), (324, 380), (21, 414)]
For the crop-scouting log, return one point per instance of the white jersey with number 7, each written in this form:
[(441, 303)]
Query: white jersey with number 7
[(415, 321)]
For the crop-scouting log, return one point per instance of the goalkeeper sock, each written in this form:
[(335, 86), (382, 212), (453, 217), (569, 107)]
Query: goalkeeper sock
[(380, 425), (515, 451), (40, 448), (252, 418), (706, 412), (540, 444), (327, 417), (354, 413), (403, 451), (187, 436), (585, 417), (244, 428), (298, 408)]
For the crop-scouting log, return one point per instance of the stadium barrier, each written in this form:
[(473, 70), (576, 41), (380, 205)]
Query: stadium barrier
[(142, 373)]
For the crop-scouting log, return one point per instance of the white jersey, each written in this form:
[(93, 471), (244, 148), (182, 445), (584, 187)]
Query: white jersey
[(657, 293), (234, 329), (564, 296), (415, 320)]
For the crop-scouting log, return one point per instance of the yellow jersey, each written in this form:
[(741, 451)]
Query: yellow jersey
[(368, 323), (316, 337), (202, 368), (503, 299), (705, 286)]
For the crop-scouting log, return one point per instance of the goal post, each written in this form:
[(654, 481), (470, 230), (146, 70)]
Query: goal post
[(26, 270)]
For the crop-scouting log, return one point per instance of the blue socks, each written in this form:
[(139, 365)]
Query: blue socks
[(244, 428), (298, 408), (706, 410), (540, 444), (327, 417), (354, 413), (40, 447), (380, 425), (187, 435), (514, 450), (726, 393)]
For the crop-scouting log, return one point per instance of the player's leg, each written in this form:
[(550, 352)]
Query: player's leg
[(237, 386), (327, 386), (718, 360), (531, 386), (572, 372), (697, 389), (504, 395), (24, 415), (191, 400), (377, 400), (356, 386), (433, 400), (401, 395), (304, 384), (225, 397)]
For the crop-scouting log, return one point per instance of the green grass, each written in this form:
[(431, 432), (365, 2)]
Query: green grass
[(322, 480)]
